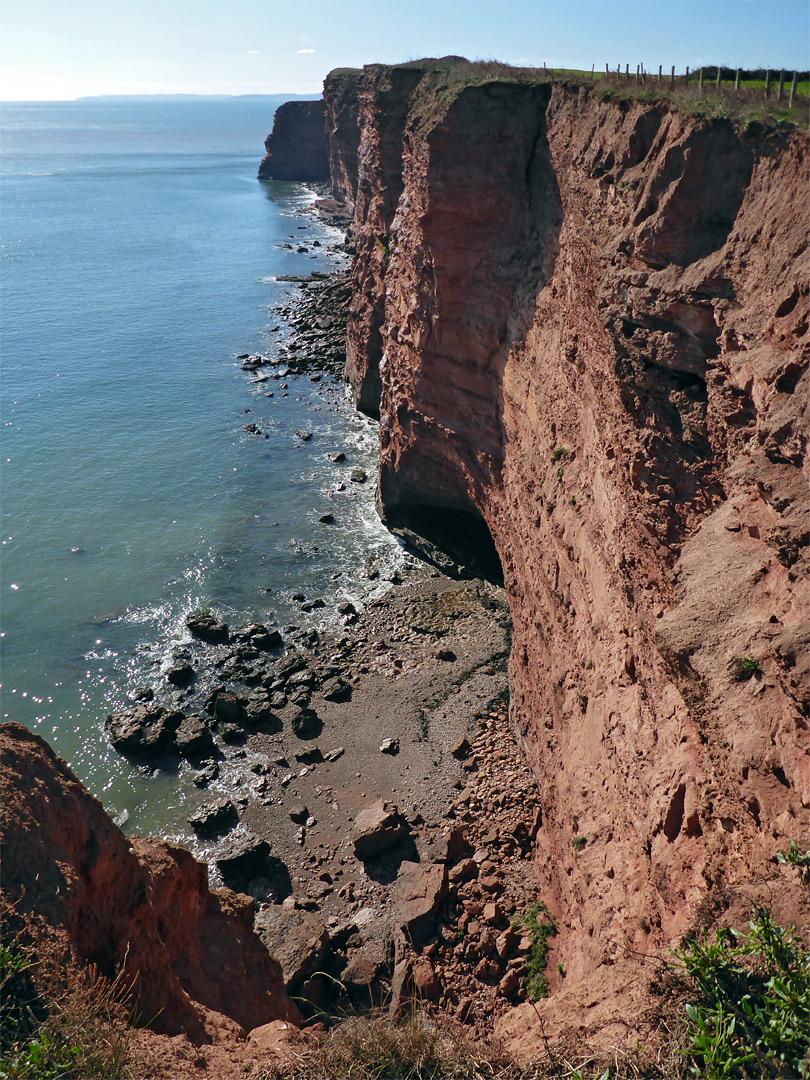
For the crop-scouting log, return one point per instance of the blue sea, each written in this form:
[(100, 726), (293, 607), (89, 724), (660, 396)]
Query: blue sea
[(139, 259)]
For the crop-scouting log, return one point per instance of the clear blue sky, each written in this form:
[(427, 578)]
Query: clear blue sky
[(57, 49)]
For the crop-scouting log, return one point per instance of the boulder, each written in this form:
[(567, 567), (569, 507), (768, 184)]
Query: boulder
[(418, 893), (306, 724), (228, 708), (378, 829), (180, 675), (213, 817), (245, 859), (203, 625), (193, 739), (298, 939), (144, 730)]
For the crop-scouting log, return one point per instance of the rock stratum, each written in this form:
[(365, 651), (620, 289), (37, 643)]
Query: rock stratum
[(136, 908), (583, 324)]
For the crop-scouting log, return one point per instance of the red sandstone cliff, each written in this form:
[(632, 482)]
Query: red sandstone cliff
[(296, 147), (586, 324), (142, 906)]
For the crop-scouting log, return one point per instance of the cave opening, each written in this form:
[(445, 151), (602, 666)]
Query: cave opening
[(456, 541)]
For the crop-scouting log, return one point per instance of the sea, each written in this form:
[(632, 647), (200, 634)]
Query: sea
[(140, 257)]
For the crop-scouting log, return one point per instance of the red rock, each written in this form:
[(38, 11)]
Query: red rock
[(427, 986), (464, 871), (401, 988), (141, 906), (508, 984), (377, 829), (418, 894)]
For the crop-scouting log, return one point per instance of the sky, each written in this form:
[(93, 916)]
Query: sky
[(63, 49)]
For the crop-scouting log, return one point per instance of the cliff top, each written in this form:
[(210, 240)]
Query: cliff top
[(755, 101)]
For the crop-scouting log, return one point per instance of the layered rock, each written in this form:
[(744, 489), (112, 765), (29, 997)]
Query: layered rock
[(138, 907), (296, 147), (593, 340)]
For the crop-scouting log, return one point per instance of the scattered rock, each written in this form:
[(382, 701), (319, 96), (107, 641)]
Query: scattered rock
[(378, 829), (358, 476), (461, 749), (418, 894), (194, 740), (203, 625), (389, 746), (144, 730), (180, 675), (213, 817), (298, 939)]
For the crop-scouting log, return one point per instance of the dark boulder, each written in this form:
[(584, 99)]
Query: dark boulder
[(143, 731), (203, 625)]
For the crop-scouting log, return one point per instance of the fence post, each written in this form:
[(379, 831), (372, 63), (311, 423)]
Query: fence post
[(545, 73), (627, 71), (638, 72), (767, 84), (593, 68), (737, 80), (719, 75), (700, 78), (781, 89), (672, 76), (686, 78), (660, 69), (607, 71), (793, 86)]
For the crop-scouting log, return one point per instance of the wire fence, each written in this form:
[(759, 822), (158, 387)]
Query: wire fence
[(775, 85)]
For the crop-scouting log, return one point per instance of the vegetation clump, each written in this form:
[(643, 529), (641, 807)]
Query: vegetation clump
[(60, 1021), (752, 1016), (539, 923), (745, 667)]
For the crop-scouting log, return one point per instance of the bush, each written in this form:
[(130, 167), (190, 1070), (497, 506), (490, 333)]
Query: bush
[(752, 1018)]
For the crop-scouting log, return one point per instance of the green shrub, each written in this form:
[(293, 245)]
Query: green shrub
[(538, 921), (752, 1016), (745, 667)]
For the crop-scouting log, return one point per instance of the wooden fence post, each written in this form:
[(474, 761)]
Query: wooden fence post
[(672, 76), (700, 78), (627, 71), (719, 76), (737, 80), (767, 83), (781, 89), (686, 78), (793, 86), (607, 70), (593, 68), (660, 69)]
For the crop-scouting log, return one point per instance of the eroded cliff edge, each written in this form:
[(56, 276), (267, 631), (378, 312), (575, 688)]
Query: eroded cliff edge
[(584, 325)]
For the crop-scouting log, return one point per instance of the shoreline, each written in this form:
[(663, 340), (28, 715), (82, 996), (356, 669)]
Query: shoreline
[(295, 740)]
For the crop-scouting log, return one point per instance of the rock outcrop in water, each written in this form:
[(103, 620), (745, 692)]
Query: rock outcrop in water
[(583, 324), (296, 147), (141, 907)]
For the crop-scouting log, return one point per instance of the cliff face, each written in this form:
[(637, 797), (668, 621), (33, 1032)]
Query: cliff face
[(591, 320), (141, 906), (296, 147)]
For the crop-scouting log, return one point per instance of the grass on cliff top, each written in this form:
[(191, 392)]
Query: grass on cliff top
[(449, 75)]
